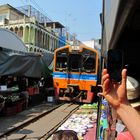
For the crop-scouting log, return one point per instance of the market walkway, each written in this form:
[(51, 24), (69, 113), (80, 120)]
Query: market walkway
[(10, 122)]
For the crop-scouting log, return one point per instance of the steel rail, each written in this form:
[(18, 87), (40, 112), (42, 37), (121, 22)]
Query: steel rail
[(3, 135), (49, 133)]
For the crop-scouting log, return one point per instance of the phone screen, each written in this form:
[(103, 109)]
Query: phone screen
[(115, 64)]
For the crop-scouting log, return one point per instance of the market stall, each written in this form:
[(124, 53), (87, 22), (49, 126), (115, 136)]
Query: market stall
[(16, 70)]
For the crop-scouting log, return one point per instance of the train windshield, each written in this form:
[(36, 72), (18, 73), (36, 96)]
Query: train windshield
[(89, 64), (89, 61), (75, 62)]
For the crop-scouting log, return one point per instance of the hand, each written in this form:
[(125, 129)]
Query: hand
[(114, 93)]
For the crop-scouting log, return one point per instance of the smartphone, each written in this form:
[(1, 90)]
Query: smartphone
[(115, 64)]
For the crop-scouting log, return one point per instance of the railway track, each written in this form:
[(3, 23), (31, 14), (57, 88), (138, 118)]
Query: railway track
[(41, 126)]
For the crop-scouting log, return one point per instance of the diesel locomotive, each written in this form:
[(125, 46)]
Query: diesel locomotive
[(75, 73)]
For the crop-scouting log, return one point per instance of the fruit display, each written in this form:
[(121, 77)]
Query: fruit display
[(12, 98), (90, 106)]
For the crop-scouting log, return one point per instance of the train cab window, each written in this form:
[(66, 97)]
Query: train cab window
[(61, 60), (75, 62), (61, 63), (89, 63)]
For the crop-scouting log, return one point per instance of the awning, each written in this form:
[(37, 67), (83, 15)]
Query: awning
[(27, 64)]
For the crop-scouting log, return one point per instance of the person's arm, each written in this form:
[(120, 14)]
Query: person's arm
[(130, 118), (116, 95)]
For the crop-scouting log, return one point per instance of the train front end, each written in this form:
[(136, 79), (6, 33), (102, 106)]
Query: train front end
[(75, 73)]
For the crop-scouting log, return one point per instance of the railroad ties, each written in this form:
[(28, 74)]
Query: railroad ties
[(41, 125)]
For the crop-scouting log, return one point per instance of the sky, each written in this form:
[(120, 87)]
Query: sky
[(81, 17)]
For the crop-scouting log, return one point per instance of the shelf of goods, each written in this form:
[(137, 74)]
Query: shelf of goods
[(13, 104), (104, 118)]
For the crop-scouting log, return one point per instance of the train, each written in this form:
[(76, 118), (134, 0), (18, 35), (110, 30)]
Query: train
[(75, 73)]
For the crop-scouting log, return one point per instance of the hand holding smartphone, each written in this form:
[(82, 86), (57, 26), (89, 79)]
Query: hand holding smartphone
[(115, 64)]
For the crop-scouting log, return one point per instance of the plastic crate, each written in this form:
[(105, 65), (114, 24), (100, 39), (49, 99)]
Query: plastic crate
[(31, 91)]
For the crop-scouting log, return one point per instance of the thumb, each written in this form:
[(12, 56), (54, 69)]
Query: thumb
[(124, 76)]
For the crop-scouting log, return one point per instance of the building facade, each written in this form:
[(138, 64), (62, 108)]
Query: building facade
[(37, 31)]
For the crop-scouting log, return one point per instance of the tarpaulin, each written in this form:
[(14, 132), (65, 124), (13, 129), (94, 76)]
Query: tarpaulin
[(26, 64)]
